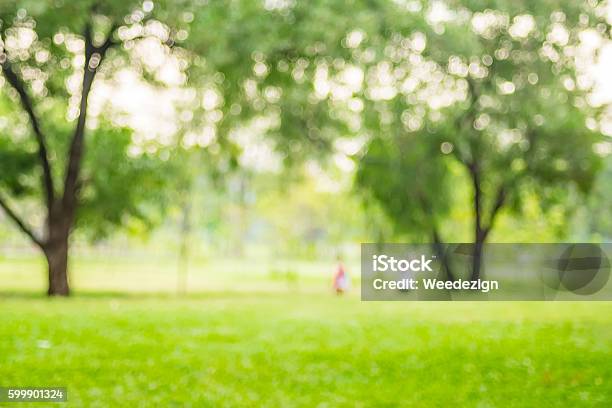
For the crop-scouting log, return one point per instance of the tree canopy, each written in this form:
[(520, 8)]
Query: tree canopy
[(495, 89), (506, 99)]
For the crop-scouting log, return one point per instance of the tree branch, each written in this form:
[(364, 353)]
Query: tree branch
[(17, 84), (20, 223), (441, 254), (500, 200), (475, 175), (93, 58), (466, 119)]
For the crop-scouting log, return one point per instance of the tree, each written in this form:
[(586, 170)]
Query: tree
[(506, 101), (52, 53), (409, 179), (243, 61), (266, 60), (592, 220)]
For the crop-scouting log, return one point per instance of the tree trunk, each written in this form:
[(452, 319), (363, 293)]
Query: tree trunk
[(56, 250), (183, 258), (440, 252), (477, 259), (480, 233), (57, 260)]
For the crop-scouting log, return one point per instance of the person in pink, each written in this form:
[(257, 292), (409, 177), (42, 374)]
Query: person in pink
[(341, 282)]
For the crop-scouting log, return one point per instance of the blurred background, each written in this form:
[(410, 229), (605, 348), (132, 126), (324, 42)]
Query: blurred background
[(246, 143), (163, 158)]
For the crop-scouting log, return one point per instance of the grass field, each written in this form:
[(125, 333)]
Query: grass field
[(306, 350), (294, 347)]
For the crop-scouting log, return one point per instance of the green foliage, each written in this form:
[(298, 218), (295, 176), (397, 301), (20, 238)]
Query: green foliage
[(306, 73), (260, 59), (409, 177), (16, 167), (303, 219), (264, 58), (594, 217), (504, 100), (43, 44), (120, 188)]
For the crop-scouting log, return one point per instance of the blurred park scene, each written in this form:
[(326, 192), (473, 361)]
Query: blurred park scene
[(180, 181)]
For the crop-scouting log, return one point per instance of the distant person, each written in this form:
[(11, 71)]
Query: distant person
[(341, 279)]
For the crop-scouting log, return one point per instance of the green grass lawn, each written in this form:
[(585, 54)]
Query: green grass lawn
[(303, 349)]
